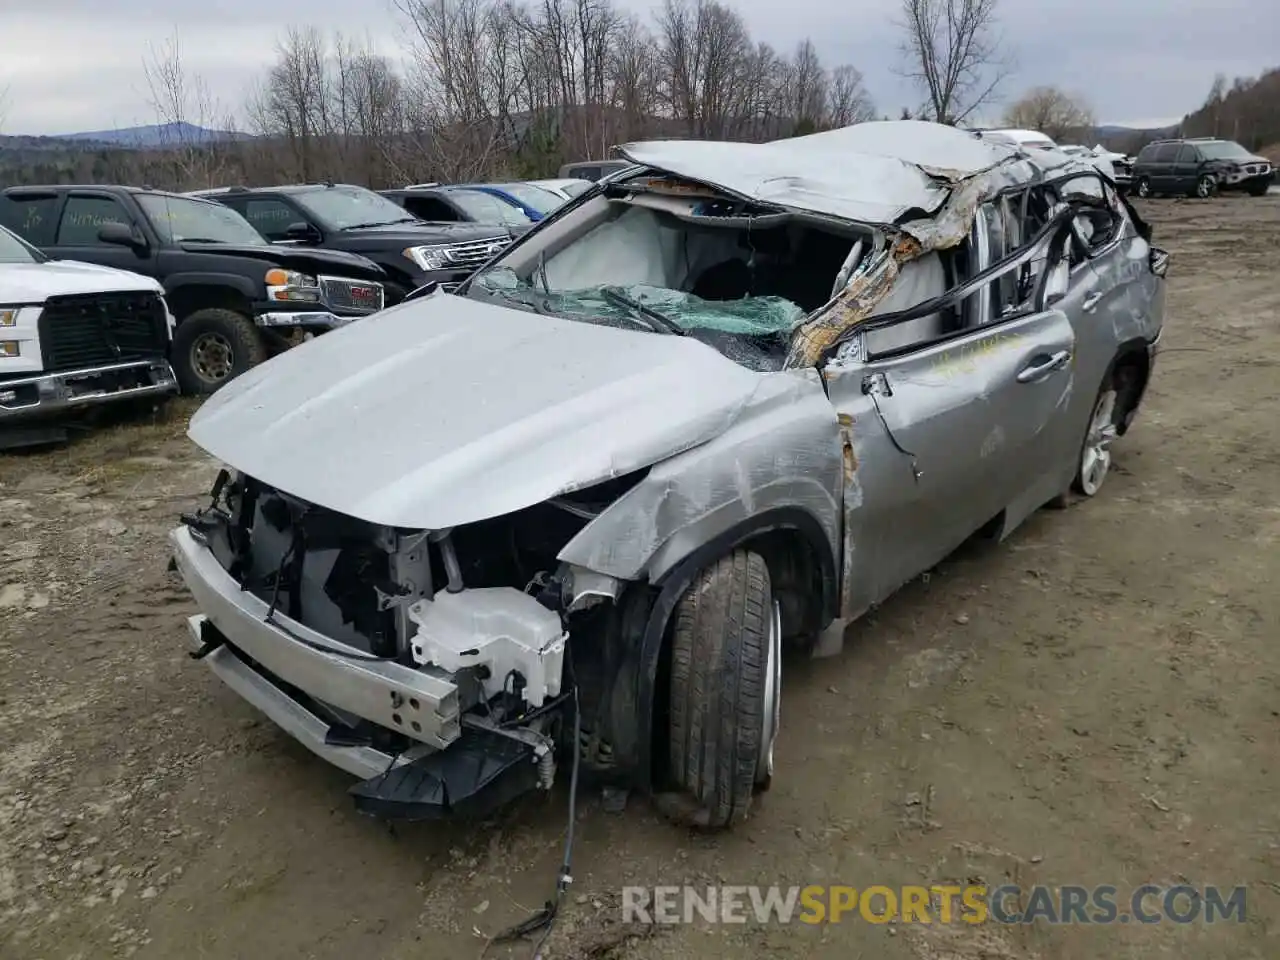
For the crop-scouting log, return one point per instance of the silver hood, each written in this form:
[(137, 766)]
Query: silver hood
[(445, 410)]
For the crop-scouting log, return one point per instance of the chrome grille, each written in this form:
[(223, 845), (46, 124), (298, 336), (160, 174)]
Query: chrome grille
[(90, 330), (352, 296), (475, 252)]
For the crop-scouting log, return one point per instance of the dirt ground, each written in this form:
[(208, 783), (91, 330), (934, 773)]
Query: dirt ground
[(1095, 701)]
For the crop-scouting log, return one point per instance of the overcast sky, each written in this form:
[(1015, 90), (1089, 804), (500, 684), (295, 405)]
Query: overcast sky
[(74, 65)]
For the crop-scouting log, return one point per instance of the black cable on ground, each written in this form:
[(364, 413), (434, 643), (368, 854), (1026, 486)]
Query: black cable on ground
[(545, 918)]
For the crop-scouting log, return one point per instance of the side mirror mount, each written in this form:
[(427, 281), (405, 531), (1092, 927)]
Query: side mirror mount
[(300, 231), (122, 235)]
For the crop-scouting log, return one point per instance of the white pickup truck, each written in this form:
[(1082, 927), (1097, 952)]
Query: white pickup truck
[(73, 336)]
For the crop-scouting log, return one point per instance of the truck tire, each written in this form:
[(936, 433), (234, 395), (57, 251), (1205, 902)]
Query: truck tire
[(213, 346), (722, 698)]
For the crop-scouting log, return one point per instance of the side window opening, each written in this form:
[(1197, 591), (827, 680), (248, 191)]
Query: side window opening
[(31, 216), (1100, 218), (430, 208), (84, 216), (271, 217), (1004, 229)]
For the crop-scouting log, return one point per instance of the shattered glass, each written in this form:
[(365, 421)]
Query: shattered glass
[(752, 331)]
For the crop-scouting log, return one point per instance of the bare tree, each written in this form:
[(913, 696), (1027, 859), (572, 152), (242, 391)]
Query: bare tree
[(1214, 102), (1055, 113), (294, 102), (704, 49), (517, 87), (847, 99), (185, 110), (953, 53), (807, 94)]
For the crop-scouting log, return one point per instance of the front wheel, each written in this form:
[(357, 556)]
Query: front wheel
[(212, 347), (1205, 186), (726, 650)]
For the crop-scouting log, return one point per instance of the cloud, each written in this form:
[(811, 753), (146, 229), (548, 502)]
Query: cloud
[(77, 64)]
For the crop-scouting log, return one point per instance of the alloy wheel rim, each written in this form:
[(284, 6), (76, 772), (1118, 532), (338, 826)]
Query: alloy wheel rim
[(1095, 461), (771, 708)]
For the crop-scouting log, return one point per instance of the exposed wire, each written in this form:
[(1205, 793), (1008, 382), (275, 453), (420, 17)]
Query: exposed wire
[(544, 919)]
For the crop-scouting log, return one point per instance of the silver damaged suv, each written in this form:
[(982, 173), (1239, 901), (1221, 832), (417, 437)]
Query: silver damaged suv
[(723, 402)]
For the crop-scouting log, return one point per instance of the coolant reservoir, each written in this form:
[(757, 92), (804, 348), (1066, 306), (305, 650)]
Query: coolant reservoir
[(499, 627)]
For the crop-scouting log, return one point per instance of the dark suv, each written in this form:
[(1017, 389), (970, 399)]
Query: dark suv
[(339, 216), (453, 204), (1199, 167), (237, 298)]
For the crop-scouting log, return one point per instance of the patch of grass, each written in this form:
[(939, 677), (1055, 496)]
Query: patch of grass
[(100, 450)]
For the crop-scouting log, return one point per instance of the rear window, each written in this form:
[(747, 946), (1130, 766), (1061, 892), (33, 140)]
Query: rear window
[(31, 216)]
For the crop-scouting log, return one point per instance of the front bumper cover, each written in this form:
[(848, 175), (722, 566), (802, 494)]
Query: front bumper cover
[(45, 394), (309, 319), (451, 772), (412, 702)]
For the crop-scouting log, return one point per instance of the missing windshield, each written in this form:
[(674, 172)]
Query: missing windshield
[(666, 260)]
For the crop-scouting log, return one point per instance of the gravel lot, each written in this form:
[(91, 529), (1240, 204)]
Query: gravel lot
[(1095, 701)]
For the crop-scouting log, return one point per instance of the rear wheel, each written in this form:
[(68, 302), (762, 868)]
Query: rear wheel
[(1142, 187), (1094, 461), (726, 648), (213, 346)]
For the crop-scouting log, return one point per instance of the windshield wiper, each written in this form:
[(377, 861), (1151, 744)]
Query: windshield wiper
[(380, 223), (199, 240), (658, 322)]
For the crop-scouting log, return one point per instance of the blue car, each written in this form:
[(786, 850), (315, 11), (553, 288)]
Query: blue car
[(534, 202)]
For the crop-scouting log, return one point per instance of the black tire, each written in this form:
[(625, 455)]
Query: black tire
[(1142, 187), (1205, 186), (214, 346), (719, 655)]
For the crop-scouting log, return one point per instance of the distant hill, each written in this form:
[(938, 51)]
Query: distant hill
[(1117, 130), (1129, 139), (153, 135)]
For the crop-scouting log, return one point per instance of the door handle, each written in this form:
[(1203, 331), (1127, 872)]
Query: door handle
[(1091, 301), (1046, 365)]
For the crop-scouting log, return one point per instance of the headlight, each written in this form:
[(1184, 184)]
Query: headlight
[(8, 316), (292, 286), (428, 257)]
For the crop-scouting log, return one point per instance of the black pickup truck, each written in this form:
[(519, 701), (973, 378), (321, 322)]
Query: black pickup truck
[(236, 297), (340, 216)]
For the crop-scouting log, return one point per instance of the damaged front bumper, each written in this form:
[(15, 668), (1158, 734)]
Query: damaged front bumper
[(398, 728)]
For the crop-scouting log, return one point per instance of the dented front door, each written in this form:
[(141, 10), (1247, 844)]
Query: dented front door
[(940, 440)]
